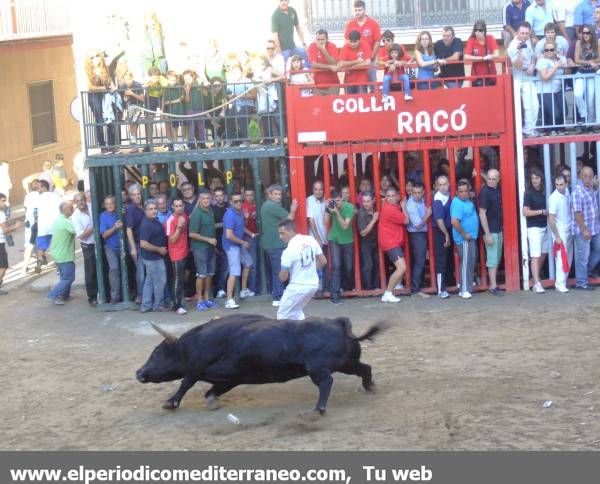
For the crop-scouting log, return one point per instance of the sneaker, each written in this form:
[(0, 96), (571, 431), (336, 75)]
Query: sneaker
[(443, 295), (537, 288), (465, 295), (336, 301), (211, 304), (399, 286), (231, 304), (201, 306), (495, 291), (247, 293), (275, 304), (59, 302), (423, 295), (145, 310), (408, 97), (561, 288), (585, 288), (181, 311), (388, 297), (221, 293)]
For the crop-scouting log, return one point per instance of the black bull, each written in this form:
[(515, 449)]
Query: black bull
[(251, 349)]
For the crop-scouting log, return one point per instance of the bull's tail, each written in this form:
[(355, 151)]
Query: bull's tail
[(378, 327)]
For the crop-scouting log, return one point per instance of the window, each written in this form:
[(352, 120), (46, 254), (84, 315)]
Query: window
[(41, 107)]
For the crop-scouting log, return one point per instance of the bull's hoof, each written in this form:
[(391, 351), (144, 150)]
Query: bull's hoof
[(212, 403), (370, 388), (170, 405)]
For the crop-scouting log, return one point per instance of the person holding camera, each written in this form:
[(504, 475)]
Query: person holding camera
[(522, 57), (339, 215)]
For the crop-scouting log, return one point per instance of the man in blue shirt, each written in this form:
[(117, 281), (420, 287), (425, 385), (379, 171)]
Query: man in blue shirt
[(465, 228), (584, 14), (236, 248), (513, 14), (153, 247), (538, 14), (418, 216), (110, 224)]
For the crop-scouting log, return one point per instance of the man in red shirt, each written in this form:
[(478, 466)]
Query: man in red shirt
[(250, 236), (370, 32), (323, 56), (176, 228), (355, 56), (391, 238)]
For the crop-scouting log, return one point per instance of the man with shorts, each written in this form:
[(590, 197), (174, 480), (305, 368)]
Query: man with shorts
[(235, 247), (490, 216), (202, 229), (6, 227), (392, 221), (299, 264)]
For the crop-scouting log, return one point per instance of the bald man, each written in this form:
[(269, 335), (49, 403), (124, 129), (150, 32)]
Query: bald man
[(490, 216), (62, 249)]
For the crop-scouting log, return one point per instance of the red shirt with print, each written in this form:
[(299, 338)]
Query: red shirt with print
[(177, 250), (473, 47), (370, 32), (322, 76), (250, 222), (363, 52), (390, 231)]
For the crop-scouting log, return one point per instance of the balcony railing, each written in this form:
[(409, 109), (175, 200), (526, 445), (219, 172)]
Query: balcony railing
[(23, 19), (227, 116), (407, 14)]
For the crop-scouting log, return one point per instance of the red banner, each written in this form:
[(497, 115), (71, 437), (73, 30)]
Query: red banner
[(367, 117)]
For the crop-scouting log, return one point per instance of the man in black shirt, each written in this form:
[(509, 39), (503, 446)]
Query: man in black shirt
[(222, 269), (366, 220), (450, 48), (490, 216)]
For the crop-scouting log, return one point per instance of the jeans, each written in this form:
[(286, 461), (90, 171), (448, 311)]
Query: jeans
[(114, 274), (154, 285), (341, 255), (387, 81), (587, 256), (355, 89), (418, 252), (274, 256), (254, 276), (552, 108), (178, 271), (324, 271), (89, 268), (67, 276), (369, 264)]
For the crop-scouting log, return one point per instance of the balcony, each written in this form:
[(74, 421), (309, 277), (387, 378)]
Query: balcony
[(29, 19)]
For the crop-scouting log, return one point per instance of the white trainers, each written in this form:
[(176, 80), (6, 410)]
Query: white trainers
[(465, 295), (443, 295), (399, 286), (408, 97), (181, 311), (276, 304), (231, 304), (221, 293), (537, 288), (244, 293), (388, 297), (561, 288)]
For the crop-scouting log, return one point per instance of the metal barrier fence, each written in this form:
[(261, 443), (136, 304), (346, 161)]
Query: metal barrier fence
[(169, 118)]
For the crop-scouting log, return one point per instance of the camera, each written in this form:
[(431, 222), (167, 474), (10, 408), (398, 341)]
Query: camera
[(331, 204), (522, 45)]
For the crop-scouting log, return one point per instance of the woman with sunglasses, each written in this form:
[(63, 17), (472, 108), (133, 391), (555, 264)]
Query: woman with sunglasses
[(481, 50), (550, 90), (587, 57)]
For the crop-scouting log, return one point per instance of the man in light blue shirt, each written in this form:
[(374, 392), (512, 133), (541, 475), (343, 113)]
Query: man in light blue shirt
[(418, 225), (584, 14), (539, 14)]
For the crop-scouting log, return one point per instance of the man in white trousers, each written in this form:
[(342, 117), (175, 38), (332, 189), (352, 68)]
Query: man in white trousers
[(299, 263), (560, 219)]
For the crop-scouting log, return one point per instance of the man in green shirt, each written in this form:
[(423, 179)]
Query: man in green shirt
[(283, 22), (62, 249), (203, 242), (271, 213), (341, 242)]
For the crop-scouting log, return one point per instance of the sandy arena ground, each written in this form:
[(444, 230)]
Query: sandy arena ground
[(450, 374)]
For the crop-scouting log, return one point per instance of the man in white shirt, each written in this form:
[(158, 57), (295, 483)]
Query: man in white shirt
[(299, 264), (315, 212), (84, 231), (48, 210), (521, 54), (30, 204), (560, 219), (563, 11)]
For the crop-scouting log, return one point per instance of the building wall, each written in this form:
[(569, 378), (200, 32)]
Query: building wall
[(29, 61)]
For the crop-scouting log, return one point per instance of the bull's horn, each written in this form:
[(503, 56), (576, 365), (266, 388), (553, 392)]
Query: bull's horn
[(165, 334)]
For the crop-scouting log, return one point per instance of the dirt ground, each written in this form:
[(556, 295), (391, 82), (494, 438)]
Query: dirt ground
[(450, 374)]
